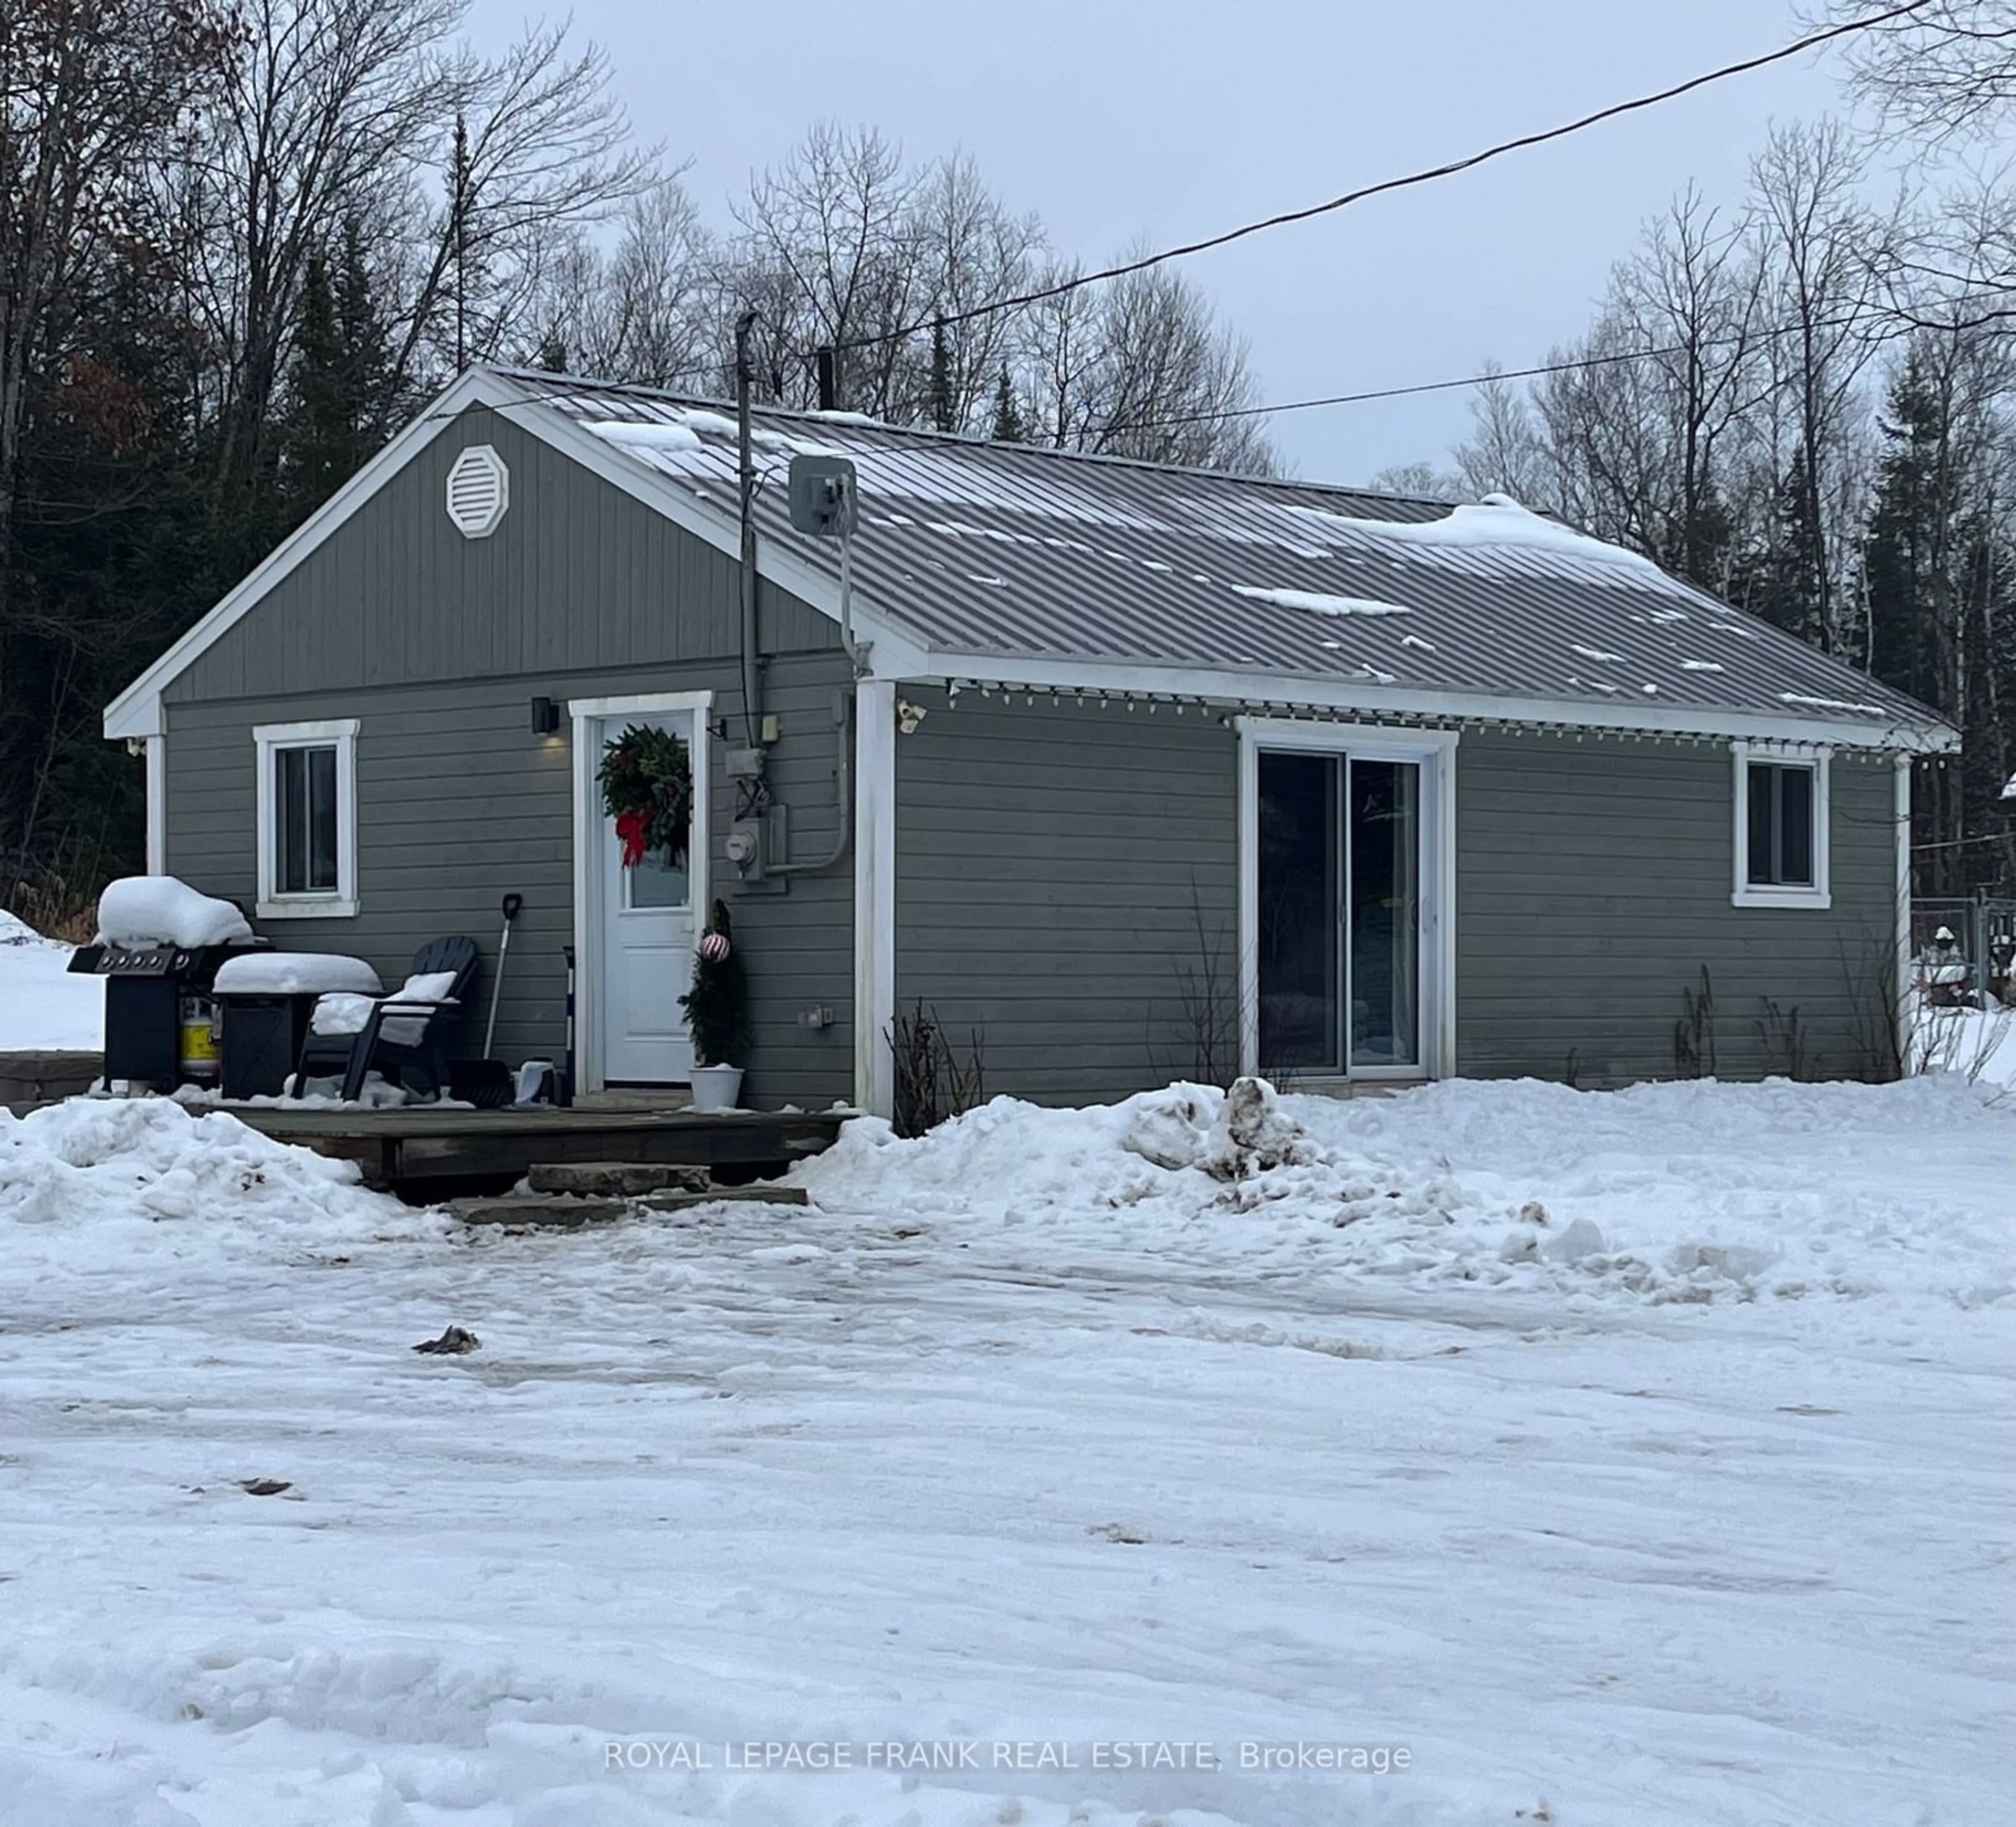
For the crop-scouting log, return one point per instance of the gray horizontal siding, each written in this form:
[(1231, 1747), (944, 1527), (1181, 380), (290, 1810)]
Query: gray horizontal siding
[(458, 803), (1593, 886), (1053, 864), (578, 577)]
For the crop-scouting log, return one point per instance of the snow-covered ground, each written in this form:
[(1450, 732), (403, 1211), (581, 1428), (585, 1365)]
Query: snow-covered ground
[(1618, 1459), (41, 1006)]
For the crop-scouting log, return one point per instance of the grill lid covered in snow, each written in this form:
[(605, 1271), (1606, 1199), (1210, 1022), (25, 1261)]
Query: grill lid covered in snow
[(140, 910)]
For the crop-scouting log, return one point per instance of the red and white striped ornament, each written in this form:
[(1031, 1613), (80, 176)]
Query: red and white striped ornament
[(714, 946)]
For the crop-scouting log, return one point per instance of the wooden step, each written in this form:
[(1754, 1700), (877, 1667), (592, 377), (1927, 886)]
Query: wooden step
[(572, 1211), (540, 1211), (756, 1195), (620, 1179)]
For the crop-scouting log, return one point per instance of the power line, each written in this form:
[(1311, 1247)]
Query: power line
[(1569, 364), (570, 385), (1042, 294)]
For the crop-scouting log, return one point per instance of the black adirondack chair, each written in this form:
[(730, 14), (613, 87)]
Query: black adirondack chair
[(425, 1056)]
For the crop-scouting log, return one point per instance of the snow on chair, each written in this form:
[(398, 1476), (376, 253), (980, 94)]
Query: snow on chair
[(405, 1029)]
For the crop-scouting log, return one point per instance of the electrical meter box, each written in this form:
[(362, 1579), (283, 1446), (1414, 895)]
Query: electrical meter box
[(823, 496)]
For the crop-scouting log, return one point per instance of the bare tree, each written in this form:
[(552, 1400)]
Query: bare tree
[(1422, 480), (542, 147), (1946, 71), (827, 256), (644, 312), (1141, 367), (93, 94), (328, 105), (1505, 453), (1814, 237), (339, 110), (974, 252)]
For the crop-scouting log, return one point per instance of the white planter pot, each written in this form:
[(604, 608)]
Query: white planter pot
[(716, 1087)]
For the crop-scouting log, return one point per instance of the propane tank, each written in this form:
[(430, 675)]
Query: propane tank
[(197, 1051)]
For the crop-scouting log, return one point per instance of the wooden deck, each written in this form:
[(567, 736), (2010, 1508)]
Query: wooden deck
[(416, 1146)]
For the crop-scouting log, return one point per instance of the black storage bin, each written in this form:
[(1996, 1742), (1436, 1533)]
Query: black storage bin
[(262, 1039)]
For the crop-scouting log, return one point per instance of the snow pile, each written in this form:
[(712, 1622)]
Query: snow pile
[(1703, 1191), (296, 974), (42, 1005), (94, 1184), (161, 910), (1586, 1195)]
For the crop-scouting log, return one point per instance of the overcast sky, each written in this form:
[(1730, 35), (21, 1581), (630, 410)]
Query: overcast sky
[(1170, 119)]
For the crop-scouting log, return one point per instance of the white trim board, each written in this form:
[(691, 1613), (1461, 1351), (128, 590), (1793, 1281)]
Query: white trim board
[(584, 841), (1899, 988), (1435, 751), (156, 748), (874, 895), (1268, 693)]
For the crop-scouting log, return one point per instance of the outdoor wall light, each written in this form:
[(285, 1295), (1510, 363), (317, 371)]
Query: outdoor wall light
[(545, 716)]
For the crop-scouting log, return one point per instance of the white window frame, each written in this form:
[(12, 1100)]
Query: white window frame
[(1744, 892), (269, 739), (1434, 750)]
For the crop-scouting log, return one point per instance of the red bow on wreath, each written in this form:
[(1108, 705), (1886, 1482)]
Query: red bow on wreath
[(633, 831)]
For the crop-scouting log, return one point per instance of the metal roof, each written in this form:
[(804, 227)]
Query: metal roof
[(1003, 551)]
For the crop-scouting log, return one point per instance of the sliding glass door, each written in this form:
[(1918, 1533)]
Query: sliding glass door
[(1339, 906)]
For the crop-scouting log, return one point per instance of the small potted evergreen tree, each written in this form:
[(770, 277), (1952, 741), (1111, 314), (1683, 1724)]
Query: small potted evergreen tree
[(717, 1011)]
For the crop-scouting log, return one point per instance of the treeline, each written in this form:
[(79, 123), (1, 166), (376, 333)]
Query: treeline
[(240, 240), (1825, 429)]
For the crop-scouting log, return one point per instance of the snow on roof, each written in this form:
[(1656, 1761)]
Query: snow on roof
[(1107, 561), (1831, 703), (1318, 603)]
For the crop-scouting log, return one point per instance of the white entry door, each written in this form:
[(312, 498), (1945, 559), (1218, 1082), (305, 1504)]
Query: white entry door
[(649, 921)]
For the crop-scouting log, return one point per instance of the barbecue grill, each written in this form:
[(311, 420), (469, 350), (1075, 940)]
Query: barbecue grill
[(152, 993)]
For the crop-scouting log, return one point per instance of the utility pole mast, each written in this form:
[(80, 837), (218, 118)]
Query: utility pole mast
[(459, 207)]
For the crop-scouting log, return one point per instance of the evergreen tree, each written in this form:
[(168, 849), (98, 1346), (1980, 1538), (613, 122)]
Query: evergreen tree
[(551, 355), (462, 198), (1008, 425), (942, 416), (1910, 529), (1941, 580), (317, 440), (1779, 579), (337, 406), (370, 403), (717, 1005)]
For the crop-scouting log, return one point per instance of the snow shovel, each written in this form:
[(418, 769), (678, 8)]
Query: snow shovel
[(486, 1082)]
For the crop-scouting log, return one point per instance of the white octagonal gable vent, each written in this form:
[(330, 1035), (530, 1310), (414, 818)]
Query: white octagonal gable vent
[(479, 490)]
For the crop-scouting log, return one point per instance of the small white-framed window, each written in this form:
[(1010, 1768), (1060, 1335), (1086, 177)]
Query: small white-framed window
[(1782, 821), (307, 819)]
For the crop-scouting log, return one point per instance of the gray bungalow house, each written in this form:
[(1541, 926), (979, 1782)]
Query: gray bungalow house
[(1137, 772)]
